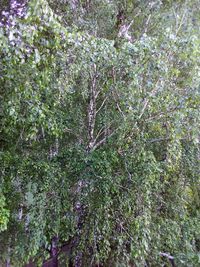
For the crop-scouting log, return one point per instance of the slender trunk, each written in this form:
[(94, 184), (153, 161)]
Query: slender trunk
[(92, 111), (80, 208), (8, 264), (54, 251)]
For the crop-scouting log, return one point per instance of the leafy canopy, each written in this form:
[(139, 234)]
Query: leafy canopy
[(100, 133)]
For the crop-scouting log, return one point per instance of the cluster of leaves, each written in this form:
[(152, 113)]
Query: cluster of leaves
[(4, 214), (100, 135)]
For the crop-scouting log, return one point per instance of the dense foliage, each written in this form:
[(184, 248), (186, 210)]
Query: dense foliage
[(99, 133)]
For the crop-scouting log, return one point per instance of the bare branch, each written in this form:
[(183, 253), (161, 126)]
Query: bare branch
[(100, 132), (120, 110), (117, 104), (181, 22), (176, 16), (103, 140), (102, 104), (97, 94), (146, 102), (169, 257), (147, 23), (162, 114), (158, 139), (92, 109), (166, 255)]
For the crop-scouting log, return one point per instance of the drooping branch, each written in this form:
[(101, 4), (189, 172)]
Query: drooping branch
[(117, 104)]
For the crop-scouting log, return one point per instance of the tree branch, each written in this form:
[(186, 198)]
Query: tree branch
[(169, 257), (102, 104), (103, 140)]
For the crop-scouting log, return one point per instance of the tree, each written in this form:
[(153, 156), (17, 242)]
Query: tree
[(100, 134)]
